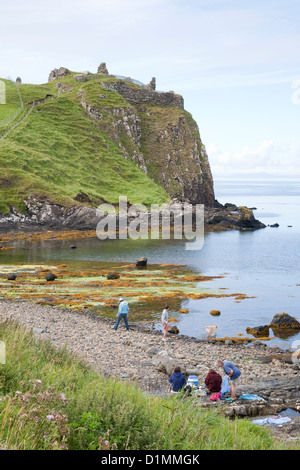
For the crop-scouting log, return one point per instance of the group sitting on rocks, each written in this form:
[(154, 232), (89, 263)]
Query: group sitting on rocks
[(216, 386)]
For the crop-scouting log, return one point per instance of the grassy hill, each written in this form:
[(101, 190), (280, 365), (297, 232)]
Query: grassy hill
[(93, 139), (57, 151)]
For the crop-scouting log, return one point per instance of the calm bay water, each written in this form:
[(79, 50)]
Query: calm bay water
[(264, 264)]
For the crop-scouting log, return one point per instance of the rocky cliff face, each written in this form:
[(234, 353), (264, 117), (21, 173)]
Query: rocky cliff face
[(155, 131), (177, 158)]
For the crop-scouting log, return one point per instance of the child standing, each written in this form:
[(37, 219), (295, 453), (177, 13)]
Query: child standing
[(164, 320)]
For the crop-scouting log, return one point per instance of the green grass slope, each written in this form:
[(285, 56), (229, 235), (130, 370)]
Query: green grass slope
[(12, 100), (50, 401), (57, 151)]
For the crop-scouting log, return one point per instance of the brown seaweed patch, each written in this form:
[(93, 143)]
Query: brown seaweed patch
[(203, 295), (200, 278), (157, 283), (147, 298), (234, 339), (48, 235), (241, 296)]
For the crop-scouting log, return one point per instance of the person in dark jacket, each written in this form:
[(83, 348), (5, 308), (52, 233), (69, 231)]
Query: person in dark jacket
[(213, 381), (177, 380)]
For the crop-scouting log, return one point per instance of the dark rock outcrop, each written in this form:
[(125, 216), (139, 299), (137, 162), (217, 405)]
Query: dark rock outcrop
[(215, 313), (102, 68), (152, 84), (42, 213), (246, 218), (174, 330), (141, 262), (112, 276), (221, 218), (283, 325), (284, 321), (58, 73), (257, 331), (50, 277)]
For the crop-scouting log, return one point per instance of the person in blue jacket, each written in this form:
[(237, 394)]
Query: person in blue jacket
[(233, 373), (177, 380), (122, 313)]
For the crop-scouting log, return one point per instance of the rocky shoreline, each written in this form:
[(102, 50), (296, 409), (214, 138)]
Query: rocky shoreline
[(42, 214), (133, 356)]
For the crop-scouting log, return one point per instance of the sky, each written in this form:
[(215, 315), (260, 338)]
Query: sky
[(235, 62)]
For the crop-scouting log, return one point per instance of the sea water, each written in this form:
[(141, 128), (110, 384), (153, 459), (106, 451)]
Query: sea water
[(264, 264)]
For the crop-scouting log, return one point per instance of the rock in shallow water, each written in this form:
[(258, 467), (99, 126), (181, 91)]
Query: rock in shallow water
[(141, 262), (113, 276), (215, 313), (258, 331), (284, 320), (50, 277)]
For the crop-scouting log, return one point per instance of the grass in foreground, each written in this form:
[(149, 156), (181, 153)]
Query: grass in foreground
[(50, 400)]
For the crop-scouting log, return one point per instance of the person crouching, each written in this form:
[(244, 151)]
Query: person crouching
[(213, 382)]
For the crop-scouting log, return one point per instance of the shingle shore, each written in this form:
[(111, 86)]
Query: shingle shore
[(125, 355)]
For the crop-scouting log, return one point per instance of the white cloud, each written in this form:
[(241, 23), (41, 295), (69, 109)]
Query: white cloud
[(268, 157)]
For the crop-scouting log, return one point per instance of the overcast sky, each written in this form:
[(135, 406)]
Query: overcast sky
[(236, 63)]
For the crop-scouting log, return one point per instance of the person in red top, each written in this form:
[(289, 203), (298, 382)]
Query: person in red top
[(213, 381)]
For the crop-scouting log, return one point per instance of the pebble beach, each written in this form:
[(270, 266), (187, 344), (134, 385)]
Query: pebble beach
[(126, 355)]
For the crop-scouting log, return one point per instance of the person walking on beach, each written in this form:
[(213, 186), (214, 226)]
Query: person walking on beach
[(165, 320), (233, 373), (122, 313)]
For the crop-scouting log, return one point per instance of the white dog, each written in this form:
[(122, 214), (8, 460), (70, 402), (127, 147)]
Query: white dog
[(211, 330)]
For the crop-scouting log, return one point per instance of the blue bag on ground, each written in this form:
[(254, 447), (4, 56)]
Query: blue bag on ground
[(251, 396), (225, 386)]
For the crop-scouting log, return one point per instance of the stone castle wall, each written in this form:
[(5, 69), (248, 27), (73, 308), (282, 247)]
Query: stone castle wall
[(136, 95)]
